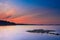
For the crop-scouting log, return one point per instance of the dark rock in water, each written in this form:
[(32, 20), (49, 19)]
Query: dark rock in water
[(40, 31), (2, 22), (43, 31), (55, 33)]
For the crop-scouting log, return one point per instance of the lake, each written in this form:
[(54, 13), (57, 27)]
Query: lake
[(18, 32)]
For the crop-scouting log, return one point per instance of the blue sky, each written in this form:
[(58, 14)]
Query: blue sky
[(39, 9)]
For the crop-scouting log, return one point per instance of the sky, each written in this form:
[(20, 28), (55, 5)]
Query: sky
[(30, 11)]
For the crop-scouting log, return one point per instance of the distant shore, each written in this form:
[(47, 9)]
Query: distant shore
[(29, 24), (7, 23)]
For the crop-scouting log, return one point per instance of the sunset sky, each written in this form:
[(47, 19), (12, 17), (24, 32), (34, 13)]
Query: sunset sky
[(30, 11)]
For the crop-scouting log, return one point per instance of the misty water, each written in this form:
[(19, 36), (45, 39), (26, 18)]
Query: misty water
[(18, 32)]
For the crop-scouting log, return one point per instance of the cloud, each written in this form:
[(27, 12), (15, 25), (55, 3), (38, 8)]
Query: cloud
[(6, 9)]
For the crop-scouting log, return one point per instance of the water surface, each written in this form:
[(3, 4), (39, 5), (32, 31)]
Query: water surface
[(18, 32)]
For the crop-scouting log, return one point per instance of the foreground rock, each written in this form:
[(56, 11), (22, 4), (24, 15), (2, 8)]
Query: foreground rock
[(40, 31), (43, 31)]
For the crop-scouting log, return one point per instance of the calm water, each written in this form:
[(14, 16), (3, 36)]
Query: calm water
[(19, 33)]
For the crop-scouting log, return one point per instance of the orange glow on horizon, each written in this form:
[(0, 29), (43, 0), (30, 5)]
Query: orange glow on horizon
[(31, 20)]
